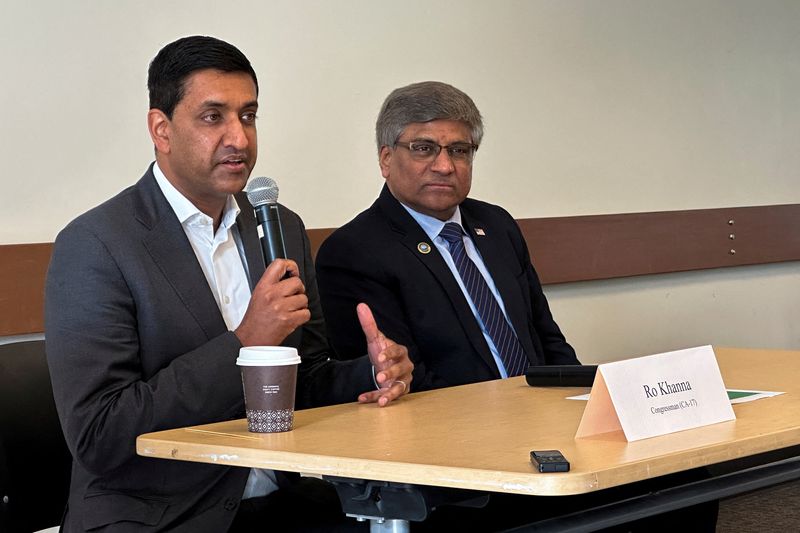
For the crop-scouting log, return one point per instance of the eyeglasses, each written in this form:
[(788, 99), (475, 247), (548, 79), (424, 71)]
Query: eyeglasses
[(428, 150)]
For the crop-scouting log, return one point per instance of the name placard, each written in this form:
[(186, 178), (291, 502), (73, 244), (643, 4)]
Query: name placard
[(656, 395)]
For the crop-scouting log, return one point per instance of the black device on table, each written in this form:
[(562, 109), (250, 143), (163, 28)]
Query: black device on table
[(549, 461), (560, 375)]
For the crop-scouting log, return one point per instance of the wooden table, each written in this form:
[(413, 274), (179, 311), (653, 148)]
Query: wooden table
[(479, 436)]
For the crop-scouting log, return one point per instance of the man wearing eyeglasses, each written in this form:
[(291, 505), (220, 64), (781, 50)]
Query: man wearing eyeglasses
[(446, 275), (450, 277)]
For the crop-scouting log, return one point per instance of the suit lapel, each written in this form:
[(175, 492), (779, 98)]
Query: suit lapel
[(174, 257), (246, 224), (494, 249), (410, 234)]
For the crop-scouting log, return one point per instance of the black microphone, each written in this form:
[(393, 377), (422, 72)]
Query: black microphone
[(263, 195)]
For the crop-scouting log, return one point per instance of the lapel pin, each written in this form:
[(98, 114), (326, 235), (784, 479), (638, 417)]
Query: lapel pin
[(424, 248), (479, 231)]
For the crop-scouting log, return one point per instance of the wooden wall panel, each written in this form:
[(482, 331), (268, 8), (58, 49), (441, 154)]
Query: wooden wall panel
[(612, 246), (564, 249), (22, 272)]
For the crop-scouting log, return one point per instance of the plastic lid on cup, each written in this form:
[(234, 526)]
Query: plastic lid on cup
[(267, 356)]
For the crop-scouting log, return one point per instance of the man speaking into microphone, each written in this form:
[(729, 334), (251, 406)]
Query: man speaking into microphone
[(151, 295)]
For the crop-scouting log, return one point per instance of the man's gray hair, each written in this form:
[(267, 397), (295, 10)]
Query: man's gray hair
[(423, 102)]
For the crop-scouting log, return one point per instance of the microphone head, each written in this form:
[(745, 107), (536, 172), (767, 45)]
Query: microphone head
[(262, 191)]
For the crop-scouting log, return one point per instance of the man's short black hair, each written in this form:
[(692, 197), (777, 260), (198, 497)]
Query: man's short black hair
[(166, 77)]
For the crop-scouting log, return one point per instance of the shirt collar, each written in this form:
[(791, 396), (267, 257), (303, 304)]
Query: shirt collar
[(432, 226), (186, 211)]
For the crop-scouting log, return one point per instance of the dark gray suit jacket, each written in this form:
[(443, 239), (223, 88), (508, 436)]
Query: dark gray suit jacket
[(136, 343), (416, 300)]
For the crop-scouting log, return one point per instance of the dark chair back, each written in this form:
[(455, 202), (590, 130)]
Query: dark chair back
[(34, 460)]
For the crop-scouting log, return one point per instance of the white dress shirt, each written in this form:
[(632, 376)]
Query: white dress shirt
[(224, 267)]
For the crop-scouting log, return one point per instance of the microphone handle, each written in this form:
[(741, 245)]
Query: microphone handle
[(272, 233)]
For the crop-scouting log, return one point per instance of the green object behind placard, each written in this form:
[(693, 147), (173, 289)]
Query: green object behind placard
[(733, 395)]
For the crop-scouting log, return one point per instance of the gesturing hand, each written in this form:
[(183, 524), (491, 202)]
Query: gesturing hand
[(392, 365)]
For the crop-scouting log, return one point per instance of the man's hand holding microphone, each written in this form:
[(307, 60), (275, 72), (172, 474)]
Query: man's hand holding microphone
[(279, 305)]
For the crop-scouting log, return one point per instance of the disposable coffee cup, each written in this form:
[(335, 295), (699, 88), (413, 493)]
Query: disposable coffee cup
[(269, 377)]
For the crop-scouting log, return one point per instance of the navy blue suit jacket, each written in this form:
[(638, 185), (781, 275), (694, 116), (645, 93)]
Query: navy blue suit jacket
[(416, 300)]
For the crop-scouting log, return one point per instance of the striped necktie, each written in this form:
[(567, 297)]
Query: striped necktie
[(500, 331)]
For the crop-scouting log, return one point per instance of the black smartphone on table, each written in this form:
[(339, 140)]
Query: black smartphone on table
[(549, 461)]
